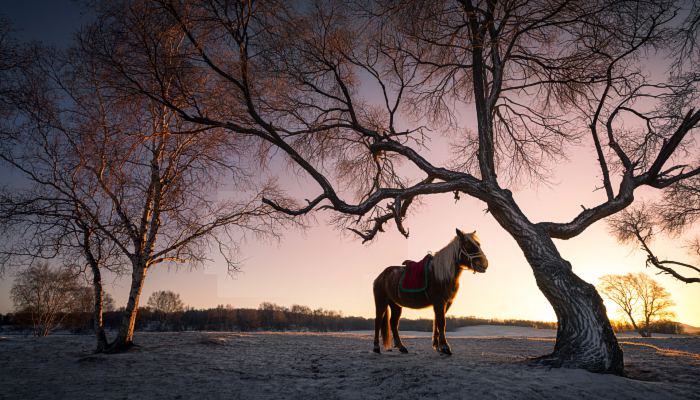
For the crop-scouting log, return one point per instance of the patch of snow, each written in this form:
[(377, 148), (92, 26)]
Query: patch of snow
[(269, 365)]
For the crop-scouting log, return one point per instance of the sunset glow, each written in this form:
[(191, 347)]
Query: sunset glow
[(339, 199), (331, 269)]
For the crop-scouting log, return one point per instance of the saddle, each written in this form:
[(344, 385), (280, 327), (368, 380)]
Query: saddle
[(415, 275)]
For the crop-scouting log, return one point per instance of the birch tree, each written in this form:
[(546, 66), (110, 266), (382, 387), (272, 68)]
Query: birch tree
[(125, 171)]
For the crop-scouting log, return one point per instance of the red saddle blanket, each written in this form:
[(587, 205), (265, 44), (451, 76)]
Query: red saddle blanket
[(415, 275)]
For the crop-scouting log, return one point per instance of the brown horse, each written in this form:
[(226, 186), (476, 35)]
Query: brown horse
[(464, 251)]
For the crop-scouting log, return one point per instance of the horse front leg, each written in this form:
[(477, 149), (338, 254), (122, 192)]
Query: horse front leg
[(435, 328), (439, 325), (435, 335)]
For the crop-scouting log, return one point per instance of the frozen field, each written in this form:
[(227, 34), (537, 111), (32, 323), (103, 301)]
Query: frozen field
[(334, 366)]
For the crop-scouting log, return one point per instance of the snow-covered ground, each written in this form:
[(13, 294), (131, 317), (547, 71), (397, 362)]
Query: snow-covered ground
[(496, 331), (480, 331), (486, 364)]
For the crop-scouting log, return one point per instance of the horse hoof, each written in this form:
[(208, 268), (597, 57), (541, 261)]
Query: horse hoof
[(445, 349), (403, 349), (376, 350)]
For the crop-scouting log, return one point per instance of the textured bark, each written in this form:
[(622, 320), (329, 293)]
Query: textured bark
[(98, 298), (98, 322), (585, 338), (125, 337), (521, 52)]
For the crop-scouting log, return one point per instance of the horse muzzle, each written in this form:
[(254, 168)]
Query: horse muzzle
[(479, 265), (479, 268), (476, 262)]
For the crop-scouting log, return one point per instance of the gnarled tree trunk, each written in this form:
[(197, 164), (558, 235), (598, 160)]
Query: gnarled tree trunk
[(585, 338)]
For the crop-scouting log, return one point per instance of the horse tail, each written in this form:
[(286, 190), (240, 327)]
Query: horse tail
[(386, 333), (381, 305)]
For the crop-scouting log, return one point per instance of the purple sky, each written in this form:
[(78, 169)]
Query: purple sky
[(323, 267)]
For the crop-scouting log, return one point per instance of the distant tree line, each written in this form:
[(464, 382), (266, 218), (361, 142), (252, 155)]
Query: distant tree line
[(227, 318), (267, 317), (660, 326), (70, 303), (272, 317)]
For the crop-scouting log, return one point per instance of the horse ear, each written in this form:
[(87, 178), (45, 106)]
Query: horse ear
[(459, 233)]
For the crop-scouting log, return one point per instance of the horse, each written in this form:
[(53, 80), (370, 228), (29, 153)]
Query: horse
[(446, 266)]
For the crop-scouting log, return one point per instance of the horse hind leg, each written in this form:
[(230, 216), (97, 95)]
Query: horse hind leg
[(381, 320), (394, 323)]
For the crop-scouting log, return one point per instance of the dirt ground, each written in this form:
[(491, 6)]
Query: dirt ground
[(332, 366)]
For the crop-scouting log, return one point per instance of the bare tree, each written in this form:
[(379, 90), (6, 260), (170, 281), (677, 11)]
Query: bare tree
[(165, 303), (6, 54), (84, 312), (108, 302), (47, 295), (38, 226), (42, 222), (539, 76), (638, 296), (642, 224), (121, 171), (86, 300), (44, 217), (47, 224)]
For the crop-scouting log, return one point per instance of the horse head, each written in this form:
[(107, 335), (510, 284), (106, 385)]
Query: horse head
[(470, 254)]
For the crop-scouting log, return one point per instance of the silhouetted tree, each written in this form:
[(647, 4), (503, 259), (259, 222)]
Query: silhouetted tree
[(538, 76), (46, 294), (166, 301), (82, 315), (641, 224), (248, 320), (44, 217), (167, 305), (638, 296)]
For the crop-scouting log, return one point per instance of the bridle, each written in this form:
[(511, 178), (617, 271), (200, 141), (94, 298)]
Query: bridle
[(469, 256)]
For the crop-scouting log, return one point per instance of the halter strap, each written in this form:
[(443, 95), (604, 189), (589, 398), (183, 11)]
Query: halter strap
[(470, 256)]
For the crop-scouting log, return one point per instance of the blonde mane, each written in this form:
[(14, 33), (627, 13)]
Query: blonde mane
[(443, 264)]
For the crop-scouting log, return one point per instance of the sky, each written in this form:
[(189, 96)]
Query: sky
[(323, 267)]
